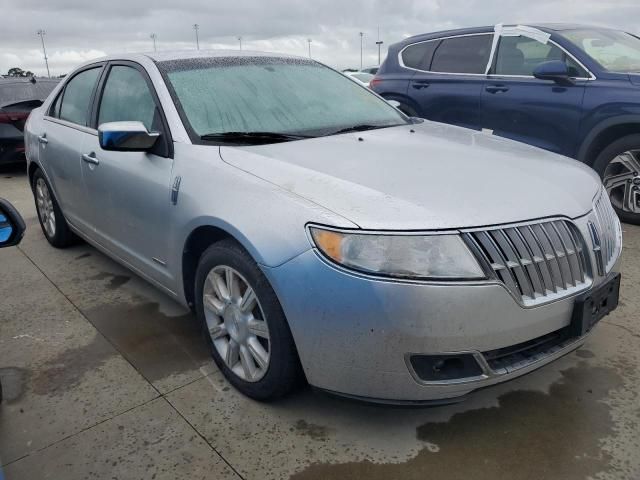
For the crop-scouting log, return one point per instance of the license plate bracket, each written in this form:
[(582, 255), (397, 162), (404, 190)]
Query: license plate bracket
[(590, 307)]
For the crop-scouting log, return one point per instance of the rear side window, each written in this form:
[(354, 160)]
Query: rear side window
[(76, 99), (127, 97), (468, 54), (521, 55), (419, 55)]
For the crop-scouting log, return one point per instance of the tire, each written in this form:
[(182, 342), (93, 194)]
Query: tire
[(619, 163), (225, 322), (53, 224)]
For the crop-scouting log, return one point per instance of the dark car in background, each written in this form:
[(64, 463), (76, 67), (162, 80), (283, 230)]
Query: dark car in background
[(570, 89), (18, 96)]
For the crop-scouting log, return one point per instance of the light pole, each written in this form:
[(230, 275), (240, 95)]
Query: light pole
[(379, 43), (240, 41), (196, 27), (361, 35), (44, 50), (309, 41), (153, 37)]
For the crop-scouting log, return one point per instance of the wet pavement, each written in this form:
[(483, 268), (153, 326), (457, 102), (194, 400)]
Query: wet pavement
[(106, 377)]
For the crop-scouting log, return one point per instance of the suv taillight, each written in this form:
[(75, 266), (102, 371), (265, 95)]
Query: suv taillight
[(374, 82)]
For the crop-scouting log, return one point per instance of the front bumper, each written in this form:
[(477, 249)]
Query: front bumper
[(355, 334)]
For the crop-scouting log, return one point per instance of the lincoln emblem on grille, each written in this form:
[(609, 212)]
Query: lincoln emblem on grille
[(597, 247)]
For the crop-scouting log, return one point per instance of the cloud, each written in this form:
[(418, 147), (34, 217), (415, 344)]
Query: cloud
[(77, 30)]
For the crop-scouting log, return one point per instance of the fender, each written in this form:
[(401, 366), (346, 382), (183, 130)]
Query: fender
[(594, 133)]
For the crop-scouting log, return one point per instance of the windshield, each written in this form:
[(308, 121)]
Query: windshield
[(615, 50), (268, 94)]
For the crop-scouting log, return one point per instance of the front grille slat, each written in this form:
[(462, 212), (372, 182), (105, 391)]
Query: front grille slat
[(608, 227), (498, 261), (537, 262), (549, 280), (534, 269), (519, 269)]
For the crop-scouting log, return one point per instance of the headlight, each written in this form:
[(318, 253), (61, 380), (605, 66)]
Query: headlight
[(409, 256)]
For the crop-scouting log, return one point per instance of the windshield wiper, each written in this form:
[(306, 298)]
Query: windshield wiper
[(253, 137), (359, 128)]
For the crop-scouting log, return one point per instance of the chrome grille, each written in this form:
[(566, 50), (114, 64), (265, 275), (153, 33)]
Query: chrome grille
[(609, 232), (537, 262)]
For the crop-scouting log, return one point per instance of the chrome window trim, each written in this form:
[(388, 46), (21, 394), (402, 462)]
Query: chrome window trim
[(490, 62), (69, 124)]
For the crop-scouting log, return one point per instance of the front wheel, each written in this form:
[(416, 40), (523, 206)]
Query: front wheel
[(244, 323), (619, 167)]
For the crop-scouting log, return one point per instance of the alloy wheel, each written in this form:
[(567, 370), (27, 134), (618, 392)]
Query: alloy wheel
[(46, 212), (622, 181), (236, 323)]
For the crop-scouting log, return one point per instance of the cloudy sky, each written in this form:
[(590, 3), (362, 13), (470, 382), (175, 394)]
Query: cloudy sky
[(79, 30)]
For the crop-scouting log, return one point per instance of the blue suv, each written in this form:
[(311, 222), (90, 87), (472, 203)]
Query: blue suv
[(571, 89)]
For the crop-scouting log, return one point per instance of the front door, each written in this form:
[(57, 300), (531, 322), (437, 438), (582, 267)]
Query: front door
[(129, 192), (538, 112)]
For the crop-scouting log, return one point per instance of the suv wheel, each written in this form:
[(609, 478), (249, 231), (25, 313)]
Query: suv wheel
[(54, 226), (244, 323), (619, 168)]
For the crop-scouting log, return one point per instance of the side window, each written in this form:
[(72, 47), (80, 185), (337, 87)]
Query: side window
[(76, 98), (521, 55), (419, 55), (126, 97), (468, 54)]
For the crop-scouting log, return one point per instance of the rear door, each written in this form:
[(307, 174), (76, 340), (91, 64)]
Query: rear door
[(538, 112), (449, 77), (130, 192), (64, 131)]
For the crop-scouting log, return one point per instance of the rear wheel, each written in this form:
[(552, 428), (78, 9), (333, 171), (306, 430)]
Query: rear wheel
[(619, 167), (244, 323), (54, 226)]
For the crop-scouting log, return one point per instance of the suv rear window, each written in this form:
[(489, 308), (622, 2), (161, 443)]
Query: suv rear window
[(468, 54), (419, 55)]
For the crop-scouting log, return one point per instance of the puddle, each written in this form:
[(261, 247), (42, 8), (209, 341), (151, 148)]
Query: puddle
[(156, 344), (531, 435), (67, 369), (316, 432), (115, 281)]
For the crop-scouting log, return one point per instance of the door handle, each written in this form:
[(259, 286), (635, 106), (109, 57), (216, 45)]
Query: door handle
[(43, 138), (90, 158), (496, 88), (418, 85)]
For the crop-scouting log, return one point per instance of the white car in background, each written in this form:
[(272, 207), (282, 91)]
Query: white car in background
[(361, 77)]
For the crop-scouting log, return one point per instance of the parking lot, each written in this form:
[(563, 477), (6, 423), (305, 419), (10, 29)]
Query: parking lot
[(105, 377)]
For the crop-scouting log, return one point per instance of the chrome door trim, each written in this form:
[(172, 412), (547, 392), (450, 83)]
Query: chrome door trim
[(75, 126)]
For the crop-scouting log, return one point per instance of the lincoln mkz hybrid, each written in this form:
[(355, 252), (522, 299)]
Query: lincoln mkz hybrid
[(319, 233)]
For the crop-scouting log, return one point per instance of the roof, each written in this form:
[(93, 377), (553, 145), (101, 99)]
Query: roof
[(168, 55), (17, 90), (545, 27)]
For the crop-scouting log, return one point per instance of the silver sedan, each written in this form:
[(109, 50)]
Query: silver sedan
[(320, 234)]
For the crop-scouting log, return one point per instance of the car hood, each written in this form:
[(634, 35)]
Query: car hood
[(423, 176)]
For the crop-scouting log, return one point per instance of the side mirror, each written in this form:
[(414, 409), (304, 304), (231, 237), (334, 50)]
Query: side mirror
[(553, 70), (126, 137), (11, 225)]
